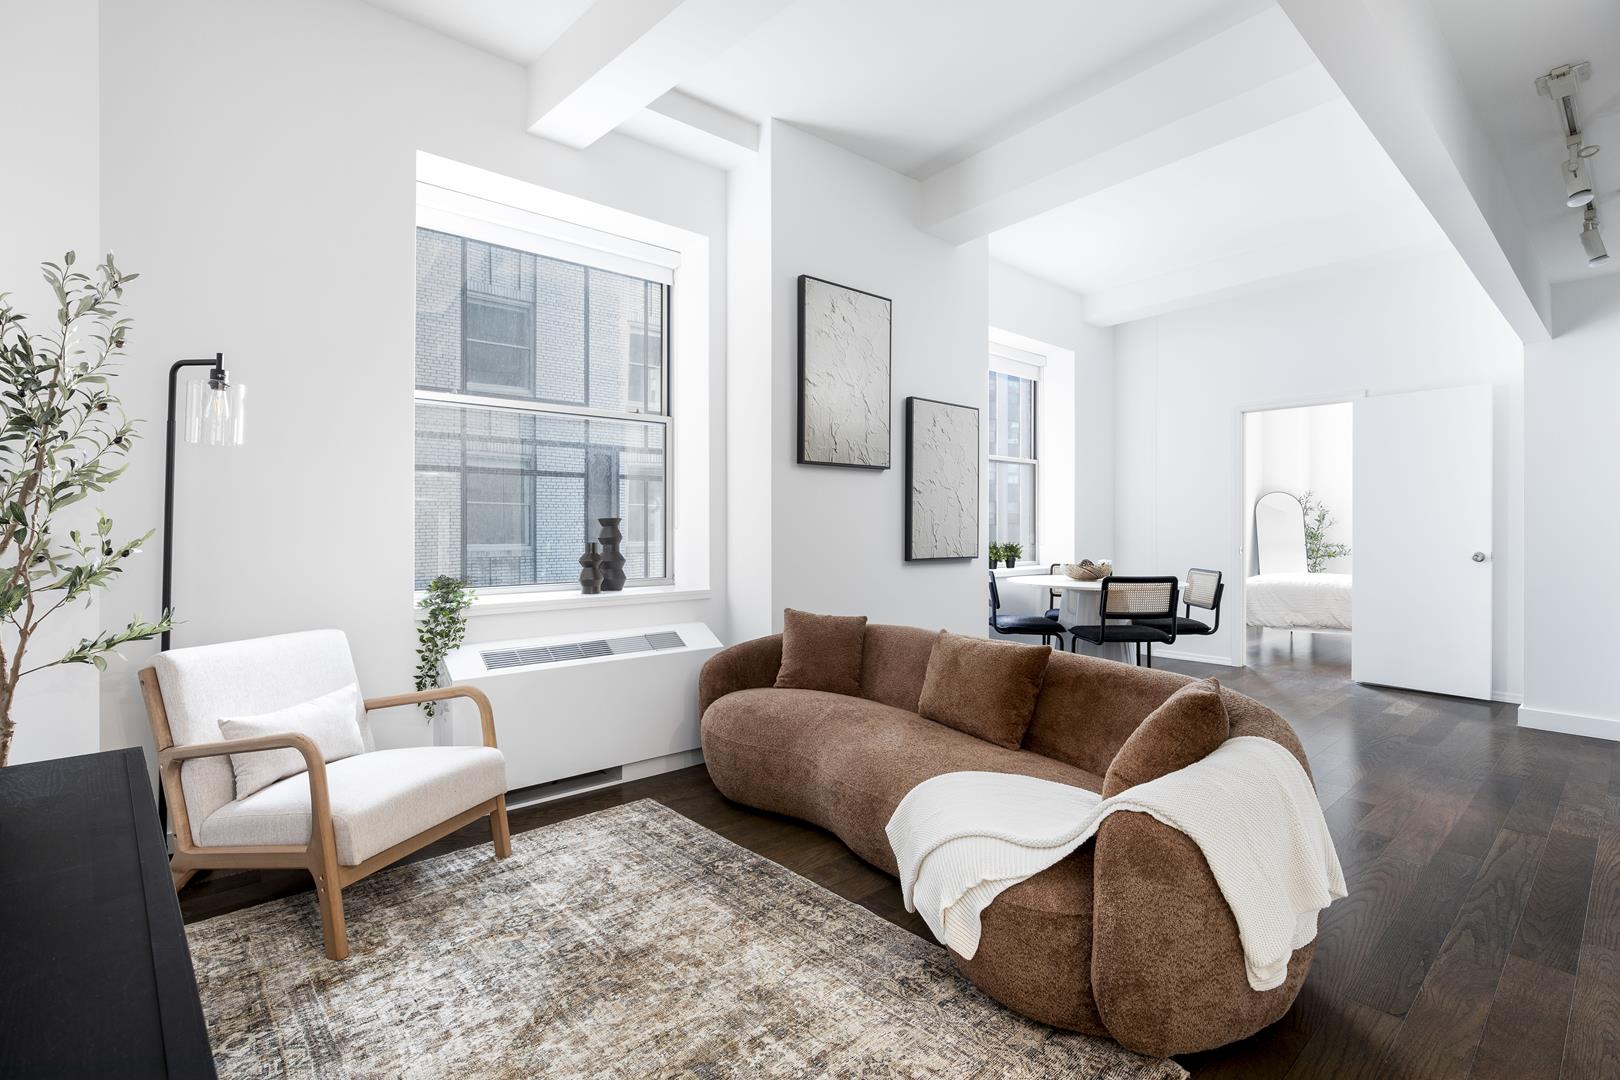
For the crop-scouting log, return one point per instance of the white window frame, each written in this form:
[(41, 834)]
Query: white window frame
[(474, 218), (1008, 360)]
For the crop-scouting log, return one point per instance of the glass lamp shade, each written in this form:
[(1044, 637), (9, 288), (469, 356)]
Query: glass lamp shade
[(215, 413)]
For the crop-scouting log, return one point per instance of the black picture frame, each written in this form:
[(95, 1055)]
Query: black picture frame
[(910, 468), (801, 448)]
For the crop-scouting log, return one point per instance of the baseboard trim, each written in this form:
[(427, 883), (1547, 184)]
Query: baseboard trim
[(1507, 698), (1196, 658), (1594, 727)]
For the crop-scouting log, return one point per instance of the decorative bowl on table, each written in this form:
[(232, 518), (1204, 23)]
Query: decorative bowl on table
[(1086, 570)]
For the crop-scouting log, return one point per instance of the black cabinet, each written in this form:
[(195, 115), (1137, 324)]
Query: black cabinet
[(97, 978)]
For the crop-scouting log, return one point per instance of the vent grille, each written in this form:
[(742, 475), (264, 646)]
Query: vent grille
[(500, 659)]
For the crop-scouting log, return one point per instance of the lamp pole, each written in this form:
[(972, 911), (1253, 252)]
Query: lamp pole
[(217, 375)]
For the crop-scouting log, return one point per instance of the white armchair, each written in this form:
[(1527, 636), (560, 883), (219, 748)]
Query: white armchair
[(340, 820)]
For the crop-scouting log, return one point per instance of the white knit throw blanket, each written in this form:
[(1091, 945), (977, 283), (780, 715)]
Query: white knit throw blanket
[(962, 838)]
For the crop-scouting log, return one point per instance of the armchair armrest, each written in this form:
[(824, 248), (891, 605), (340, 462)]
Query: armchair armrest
[(486, 714), (320, 800)]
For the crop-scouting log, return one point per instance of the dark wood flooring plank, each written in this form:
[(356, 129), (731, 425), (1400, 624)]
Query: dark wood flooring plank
[(1392, 974), (1350, 1045), (1538, 800), (1592, 1047), (1555, 916), (1583, 809), (1426, 829), (1476, 830), (1445, 1022), (1603, 905), (1524, 1036)]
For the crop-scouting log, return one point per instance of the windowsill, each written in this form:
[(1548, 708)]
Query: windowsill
[(567, 600), (1023, 570)]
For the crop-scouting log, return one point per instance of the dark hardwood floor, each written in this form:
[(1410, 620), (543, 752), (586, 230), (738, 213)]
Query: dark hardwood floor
[(1481, 935)]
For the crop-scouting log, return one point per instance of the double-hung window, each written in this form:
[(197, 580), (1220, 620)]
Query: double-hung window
[(1013, 459), (542, 378)]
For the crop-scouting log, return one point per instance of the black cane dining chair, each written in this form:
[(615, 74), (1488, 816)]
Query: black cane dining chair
[(1204, 590), (1130, 599), (1030, 625), (1054, 597)]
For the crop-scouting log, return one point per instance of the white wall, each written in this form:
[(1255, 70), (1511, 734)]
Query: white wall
[(1301, 450), (835, 535), (1049, 314), (258, 170), (1572, 462), (1406, 323), (49, 201)]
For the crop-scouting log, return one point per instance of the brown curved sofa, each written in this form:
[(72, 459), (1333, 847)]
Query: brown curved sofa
[(1128, 937)]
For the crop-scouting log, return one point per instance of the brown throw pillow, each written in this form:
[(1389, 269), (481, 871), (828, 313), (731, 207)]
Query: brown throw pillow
[(984, 688), (821, 652), (1190, 724)]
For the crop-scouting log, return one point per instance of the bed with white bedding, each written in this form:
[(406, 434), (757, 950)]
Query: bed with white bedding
[(1298, 601)]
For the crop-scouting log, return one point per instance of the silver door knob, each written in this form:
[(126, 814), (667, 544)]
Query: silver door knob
[(1479, 556)]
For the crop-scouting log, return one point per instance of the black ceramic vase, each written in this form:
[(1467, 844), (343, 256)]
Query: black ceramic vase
[(590, 574), (612, 564)]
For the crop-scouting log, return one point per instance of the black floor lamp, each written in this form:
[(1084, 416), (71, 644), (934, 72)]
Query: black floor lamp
[(213, 417)]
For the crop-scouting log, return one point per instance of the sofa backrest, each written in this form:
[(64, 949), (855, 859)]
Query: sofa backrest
[(1087, 707), (894, 662)]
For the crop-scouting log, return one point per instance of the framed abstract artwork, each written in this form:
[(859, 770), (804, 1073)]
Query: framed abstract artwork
[(845, 339), (942, 480)]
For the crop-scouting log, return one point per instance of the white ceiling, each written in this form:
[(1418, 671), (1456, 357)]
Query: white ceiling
[(518, 30), (914, 84), (918, 85), (1498, 50), (1293, 196)]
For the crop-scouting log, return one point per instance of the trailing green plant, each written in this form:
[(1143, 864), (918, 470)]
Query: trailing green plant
[(1318, 519), (1012, 553), (63, 437), (441, 630)]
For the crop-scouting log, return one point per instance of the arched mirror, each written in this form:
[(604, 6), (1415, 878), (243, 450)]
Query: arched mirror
[(1279, 533)]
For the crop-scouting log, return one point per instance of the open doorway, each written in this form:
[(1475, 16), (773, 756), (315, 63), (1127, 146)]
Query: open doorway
[(1298, 510)]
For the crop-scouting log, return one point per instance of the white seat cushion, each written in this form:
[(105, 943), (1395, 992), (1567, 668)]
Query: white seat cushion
[(378, 800)]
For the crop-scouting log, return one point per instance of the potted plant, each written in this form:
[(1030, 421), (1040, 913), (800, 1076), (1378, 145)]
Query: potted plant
[(1318, 549), (1012, 553), (995, 556), (63, 437), (443, 626)]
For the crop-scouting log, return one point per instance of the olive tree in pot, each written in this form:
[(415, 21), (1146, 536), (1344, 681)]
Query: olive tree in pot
[(63, 437)]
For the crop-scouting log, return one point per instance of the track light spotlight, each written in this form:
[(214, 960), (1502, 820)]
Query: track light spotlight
[(1592, 238), (1577, 179)]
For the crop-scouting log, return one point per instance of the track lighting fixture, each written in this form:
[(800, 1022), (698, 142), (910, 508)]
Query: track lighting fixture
[(1577, 180), (1592, 238), (1560, 85)]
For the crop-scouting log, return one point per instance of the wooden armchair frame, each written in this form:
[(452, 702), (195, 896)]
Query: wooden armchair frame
[(319, 855)]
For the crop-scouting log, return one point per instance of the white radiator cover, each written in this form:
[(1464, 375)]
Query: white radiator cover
[(571, 716)]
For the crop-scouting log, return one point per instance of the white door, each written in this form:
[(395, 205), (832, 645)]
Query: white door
[(1421, 543)]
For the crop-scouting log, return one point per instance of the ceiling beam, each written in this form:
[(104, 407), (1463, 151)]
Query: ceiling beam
[(695, 129), (1392, 64), (623, 55), (1246, 76), (1388, 227)]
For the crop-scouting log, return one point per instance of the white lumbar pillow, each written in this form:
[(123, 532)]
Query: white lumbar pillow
[(329, 722)]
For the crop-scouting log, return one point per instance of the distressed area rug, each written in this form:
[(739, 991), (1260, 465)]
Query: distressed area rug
[(627, 943)]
